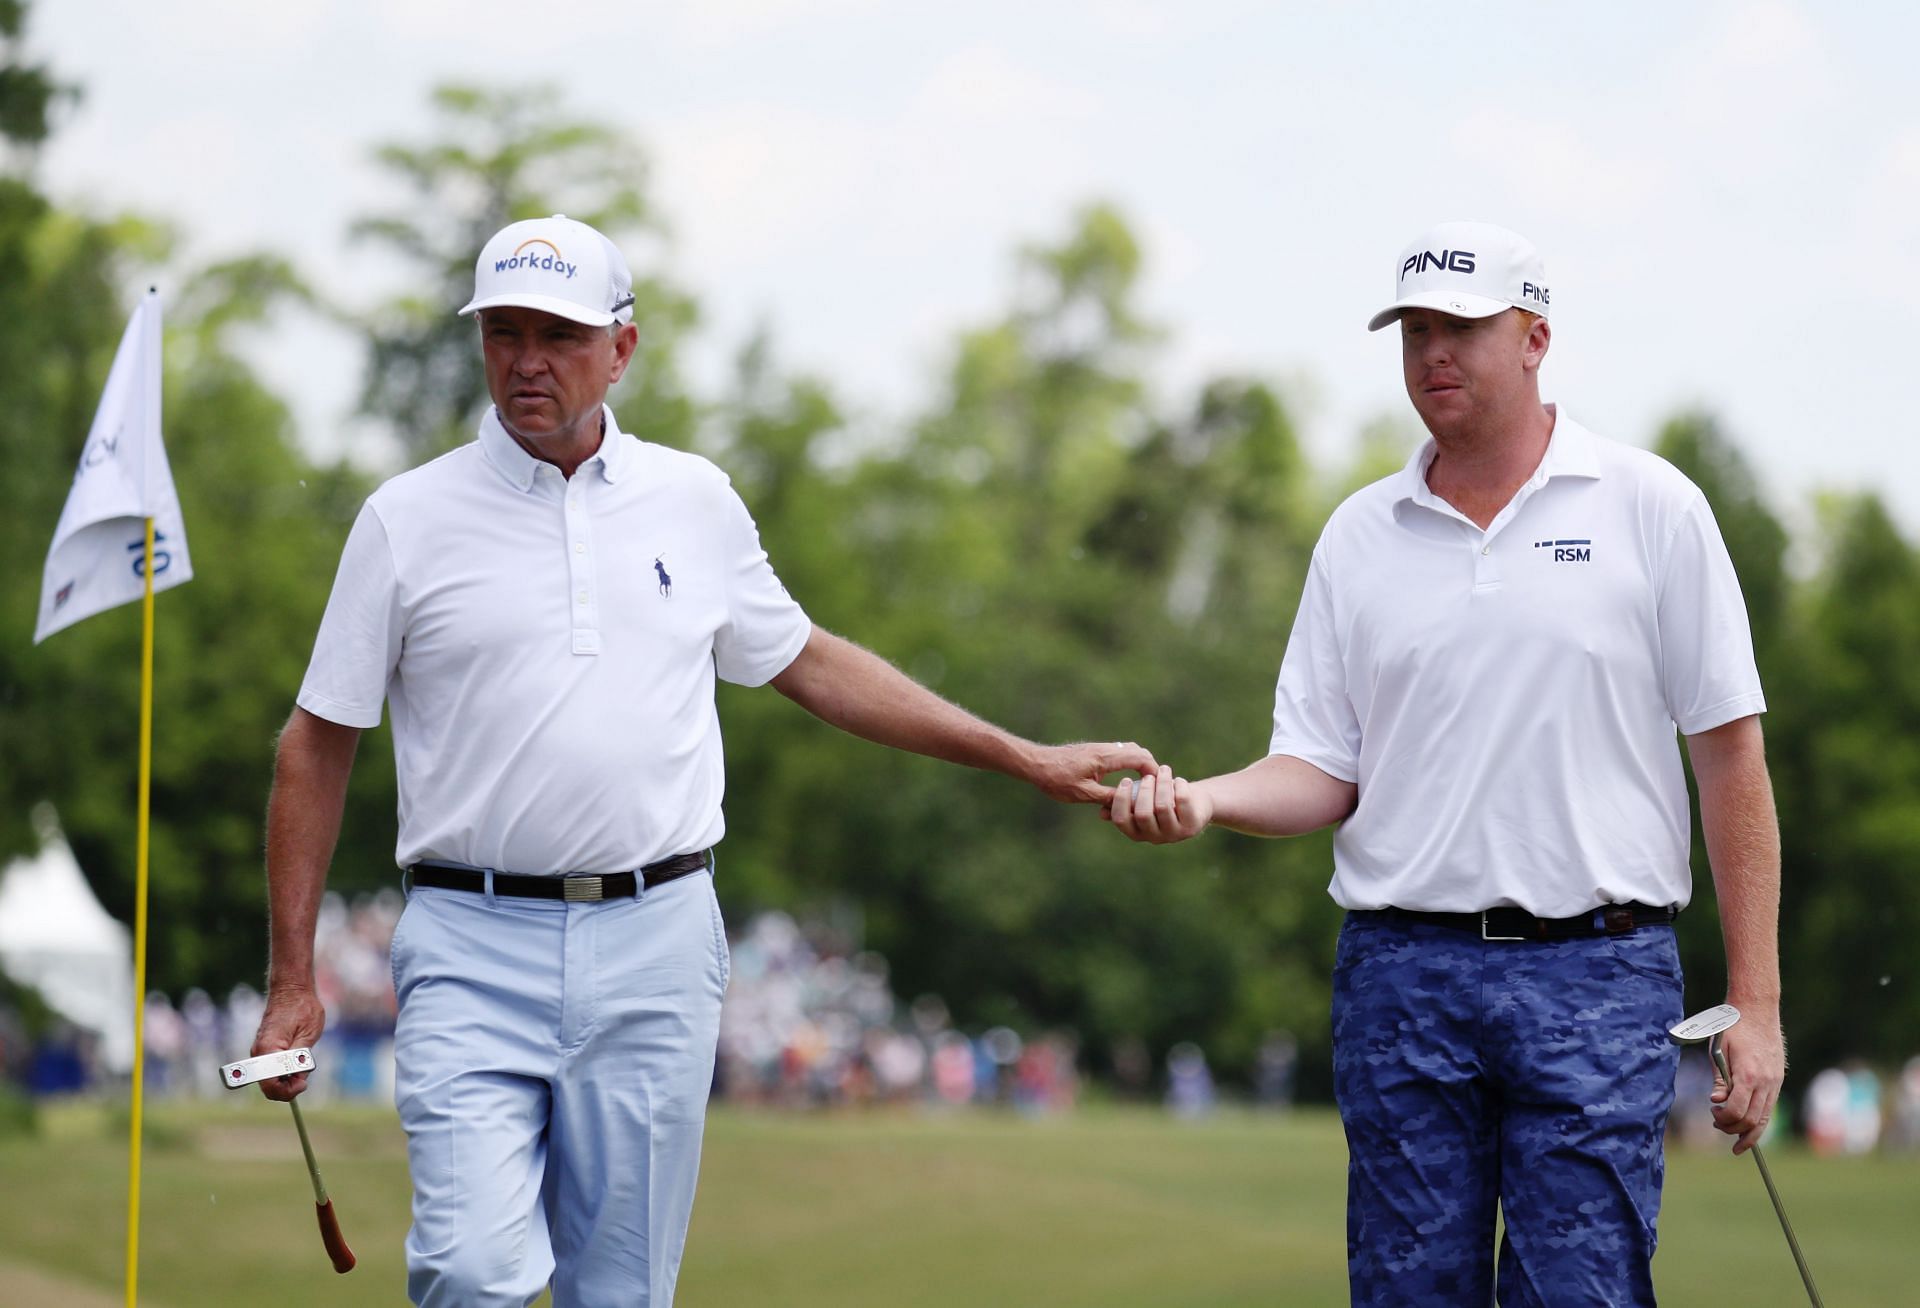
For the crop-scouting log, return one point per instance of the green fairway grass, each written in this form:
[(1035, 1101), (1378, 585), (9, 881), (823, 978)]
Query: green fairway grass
[(1109, 1207)]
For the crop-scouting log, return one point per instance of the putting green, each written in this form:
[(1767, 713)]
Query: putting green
[(1109, 1207)]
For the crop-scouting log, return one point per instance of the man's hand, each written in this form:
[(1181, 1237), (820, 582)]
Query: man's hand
[(1073, 774), (1756, 1054), (293, 1020), (1161, 808)]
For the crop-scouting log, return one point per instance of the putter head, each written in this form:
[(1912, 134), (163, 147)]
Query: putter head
[(287, 1062), (1704, 1025)]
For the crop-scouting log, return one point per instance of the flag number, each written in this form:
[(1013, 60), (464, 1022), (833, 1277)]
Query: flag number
[(160, 557)]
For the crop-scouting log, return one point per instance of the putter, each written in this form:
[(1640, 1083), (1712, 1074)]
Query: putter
[(288, 1062), (1706, 1027)]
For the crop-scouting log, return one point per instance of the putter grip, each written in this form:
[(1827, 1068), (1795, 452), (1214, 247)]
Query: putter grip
[(331, 1237)]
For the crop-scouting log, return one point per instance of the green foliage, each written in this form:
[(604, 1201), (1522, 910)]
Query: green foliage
[(1847, 779), (230, 645), (1839, 654), (28, 92), (1045, 541), (1046, 548), (226, 663)]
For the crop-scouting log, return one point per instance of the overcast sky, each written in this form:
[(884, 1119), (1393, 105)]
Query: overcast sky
[(1727, 195)]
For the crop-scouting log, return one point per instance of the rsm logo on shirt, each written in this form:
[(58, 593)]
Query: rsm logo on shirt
[(1567, 551)]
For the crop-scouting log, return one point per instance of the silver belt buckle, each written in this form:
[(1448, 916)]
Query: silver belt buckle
[(582, 890), (1483, 929)]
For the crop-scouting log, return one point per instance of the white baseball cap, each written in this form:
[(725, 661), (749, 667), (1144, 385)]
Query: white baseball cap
[(1469, 270), (556, 265)]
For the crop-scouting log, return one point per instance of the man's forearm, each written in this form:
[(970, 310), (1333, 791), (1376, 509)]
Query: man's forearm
[(860, 692), (1743, 847), (1279, 796), (311, 766)]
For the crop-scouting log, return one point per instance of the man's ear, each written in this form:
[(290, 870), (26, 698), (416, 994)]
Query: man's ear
[(1539, 338), (626, 339)]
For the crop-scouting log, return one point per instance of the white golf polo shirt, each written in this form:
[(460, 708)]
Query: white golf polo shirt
[(1507, 699), (549, 648)]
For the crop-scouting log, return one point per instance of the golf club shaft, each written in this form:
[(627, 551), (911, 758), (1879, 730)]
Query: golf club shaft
[(306, 1147), (1799, 1259), (336, 1243), (1779, 1209)]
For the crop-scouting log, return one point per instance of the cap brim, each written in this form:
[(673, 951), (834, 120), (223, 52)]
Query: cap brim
[(546, 304), (1448, 302)]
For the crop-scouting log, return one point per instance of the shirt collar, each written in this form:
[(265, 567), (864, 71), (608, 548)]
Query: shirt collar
[(1570, 453), (612, 459)]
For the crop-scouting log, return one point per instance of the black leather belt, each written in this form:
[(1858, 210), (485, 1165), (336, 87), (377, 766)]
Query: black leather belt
[(1518, 924), (574, 887)]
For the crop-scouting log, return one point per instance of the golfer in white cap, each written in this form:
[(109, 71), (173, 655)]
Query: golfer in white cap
[(1492, 657), (545, 610)]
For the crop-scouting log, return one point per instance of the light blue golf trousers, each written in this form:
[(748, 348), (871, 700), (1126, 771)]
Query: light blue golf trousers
[(554, 1061)]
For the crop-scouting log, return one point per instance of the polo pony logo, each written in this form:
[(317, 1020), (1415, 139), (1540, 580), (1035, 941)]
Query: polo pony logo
[(660, 570)]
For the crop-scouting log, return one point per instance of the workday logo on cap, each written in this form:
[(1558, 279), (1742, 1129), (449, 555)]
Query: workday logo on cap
[(556, 265), (1470, 270), (537, 252)]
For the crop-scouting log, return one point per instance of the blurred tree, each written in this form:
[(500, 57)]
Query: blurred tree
[(1849, 790), (225, 667), (1839, 655), (499, 156), (1048, 542), (1046, 550), (28, 92), (1756, 542)]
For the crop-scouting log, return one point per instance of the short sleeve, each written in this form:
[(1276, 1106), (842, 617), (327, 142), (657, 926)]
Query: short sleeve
[(765, 629), (1313, 717), (360, 635), (1706, 647)]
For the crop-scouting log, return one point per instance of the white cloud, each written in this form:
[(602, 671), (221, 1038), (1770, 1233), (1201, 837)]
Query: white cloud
[(1885, 227), (768, 180), (714, 23), (982, 85), (860, 173), (1560, 164)]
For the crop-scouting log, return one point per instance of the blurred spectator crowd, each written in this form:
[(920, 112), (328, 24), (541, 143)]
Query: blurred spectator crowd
[(187, 1044), (1844, 1110), (812, 1022), (807, 1024)]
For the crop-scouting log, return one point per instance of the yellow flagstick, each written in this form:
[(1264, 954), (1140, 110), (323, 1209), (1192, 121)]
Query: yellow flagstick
[(140, 924)]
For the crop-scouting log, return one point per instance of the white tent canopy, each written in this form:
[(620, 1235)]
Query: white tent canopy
[(55, 937)]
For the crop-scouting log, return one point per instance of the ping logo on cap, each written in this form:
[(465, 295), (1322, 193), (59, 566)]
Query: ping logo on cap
[(550, 261), (1460, 261)]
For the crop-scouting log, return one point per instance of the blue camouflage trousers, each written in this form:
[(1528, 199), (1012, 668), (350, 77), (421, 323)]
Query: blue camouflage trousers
[(1529, 1076)]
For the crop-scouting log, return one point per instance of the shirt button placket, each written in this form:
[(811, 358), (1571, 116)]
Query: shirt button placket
[(580, 573), (1485, 572)]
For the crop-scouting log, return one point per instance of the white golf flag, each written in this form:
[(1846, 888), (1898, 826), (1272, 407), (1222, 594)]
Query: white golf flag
[(99, 548)]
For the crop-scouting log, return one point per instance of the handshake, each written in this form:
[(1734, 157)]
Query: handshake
[(1154, 807)]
